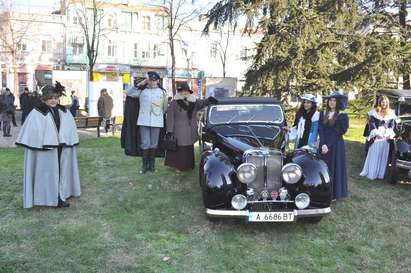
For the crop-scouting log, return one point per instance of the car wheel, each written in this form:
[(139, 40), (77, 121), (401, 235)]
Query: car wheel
[(311, 220)]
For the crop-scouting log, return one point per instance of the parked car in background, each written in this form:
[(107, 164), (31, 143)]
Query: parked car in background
[(246, 172), (399, 166)]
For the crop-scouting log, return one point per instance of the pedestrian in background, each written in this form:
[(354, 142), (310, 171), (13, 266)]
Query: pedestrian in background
[(381, 121), (153, 105), (75, 103), (182, 123), (332, 127), (305, 126), (7, 110), (25, 104), (49, 136), (13, 114), (105, 108)]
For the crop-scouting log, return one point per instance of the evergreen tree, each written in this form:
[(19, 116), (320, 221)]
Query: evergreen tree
[(316, 46)]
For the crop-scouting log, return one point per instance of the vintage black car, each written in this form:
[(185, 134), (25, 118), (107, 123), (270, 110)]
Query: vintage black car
[(246, 172), (399, 166)]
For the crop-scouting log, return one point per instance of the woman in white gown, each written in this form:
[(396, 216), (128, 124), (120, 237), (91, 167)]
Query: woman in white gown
[(381, 121)]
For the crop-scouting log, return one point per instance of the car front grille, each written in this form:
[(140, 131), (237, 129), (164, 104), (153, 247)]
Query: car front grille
[(270, 206), (268, 164)]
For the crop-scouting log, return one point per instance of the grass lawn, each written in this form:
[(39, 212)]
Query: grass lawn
[(126, 222)]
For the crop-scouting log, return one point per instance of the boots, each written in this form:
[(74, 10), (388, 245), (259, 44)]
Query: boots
[(146, 161), (152, 160), (8, 132)]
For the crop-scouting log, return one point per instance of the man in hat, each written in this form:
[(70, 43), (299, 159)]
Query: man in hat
[(49, 136), (152, 107)]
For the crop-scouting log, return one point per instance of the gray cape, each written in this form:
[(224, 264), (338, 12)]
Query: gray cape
[(43, 180)]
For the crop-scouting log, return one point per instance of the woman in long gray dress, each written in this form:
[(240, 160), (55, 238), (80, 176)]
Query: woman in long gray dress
[(182, 123), (49, 136)]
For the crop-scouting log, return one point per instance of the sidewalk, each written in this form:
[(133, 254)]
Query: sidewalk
[(8, 142)]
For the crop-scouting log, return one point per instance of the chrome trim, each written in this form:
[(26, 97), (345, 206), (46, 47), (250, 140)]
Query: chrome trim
[(270, 201), (404, 164), (298, 213)]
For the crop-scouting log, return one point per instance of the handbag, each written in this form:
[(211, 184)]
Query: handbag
[(169, 142)]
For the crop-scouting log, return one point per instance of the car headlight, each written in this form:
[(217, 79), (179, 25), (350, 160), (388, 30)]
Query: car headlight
[(302, 200), (291, 173), (239, 201), (246, 173)]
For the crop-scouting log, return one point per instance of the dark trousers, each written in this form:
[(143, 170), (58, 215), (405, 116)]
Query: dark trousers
[(6, 127), (13, 118)]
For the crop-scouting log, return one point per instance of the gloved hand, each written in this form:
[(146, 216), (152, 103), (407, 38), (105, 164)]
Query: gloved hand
[(211, 100)]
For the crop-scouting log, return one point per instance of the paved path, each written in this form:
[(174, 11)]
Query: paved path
[(8, 142)]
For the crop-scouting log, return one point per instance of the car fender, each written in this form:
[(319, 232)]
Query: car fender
[(216, 178), (316, 178)]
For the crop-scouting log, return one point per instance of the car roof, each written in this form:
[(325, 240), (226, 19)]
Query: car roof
[(248, 100), (396, 92)]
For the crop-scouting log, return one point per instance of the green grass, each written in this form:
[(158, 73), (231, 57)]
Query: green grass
[(126, 222)]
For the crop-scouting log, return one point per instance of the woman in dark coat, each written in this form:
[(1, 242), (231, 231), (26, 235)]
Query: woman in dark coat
[(333, 125), (182, 123)]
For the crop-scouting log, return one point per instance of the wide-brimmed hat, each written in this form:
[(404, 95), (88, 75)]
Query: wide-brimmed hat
[(309, 97), (184, 86), (152, 75), (343, 99)]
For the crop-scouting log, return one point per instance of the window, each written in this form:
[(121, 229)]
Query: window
[(156, 51), (135, 50), (111, 49), (145, 53), (159, 21), (46, 46), (127, 20), (244, 53), (213, 49), (111, 21), (77, 20), (134, 21), (146, 23), (21, 47), (78, 49)]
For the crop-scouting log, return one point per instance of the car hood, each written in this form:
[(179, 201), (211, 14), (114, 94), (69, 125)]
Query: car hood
[(240, 137)]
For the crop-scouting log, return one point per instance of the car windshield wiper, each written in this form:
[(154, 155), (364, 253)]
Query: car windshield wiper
[(254, 135), (231, 119)]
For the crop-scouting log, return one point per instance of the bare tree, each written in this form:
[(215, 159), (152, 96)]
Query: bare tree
[(90, 17), (178, 18), (222, 46), (12, 35)]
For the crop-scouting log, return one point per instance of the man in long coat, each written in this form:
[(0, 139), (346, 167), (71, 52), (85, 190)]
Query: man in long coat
[(49, 136), (105, 107)]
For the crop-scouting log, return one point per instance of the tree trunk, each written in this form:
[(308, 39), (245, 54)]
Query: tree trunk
[(15, 79), (173, 63), (402, 17)]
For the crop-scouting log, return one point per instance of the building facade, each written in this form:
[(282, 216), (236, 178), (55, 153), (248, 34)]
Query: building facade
[(31, 47)]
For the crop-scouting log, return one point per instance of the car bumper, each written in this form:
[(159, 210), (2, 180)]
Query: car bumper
[(403, 164), (298, 213)]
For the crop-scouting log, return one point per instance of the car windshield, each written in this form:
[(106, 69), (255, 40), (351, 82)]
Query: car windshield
[(245, 113), (405, 108)]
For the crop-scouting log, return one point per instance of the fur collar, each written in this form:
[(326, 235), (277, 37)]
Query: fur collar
[(190, 98), (44, 109), (391, 115)]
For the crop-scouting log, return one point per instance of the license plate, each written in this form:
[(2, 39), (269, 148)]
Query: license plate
[(283, 216)]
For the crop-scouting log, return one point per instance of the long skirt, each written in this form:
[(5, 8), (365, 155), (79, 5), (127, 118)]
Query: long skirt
[(182, 159), (377, 159)]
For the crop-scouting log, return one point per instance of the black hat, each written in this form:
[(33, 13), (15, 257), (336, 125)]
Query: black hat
[(184, 86), (53, 91), (152, 75)]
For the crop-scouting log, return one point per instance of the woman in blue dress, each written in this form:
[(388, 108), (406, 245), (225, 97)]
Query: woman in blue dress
[(333, 125), (381, 122)]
